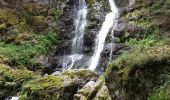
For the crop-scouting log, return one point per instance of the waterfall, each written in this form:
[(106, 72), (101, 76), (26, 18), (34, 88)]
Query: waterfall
[(80, 24), (110, 21), (77, 41)]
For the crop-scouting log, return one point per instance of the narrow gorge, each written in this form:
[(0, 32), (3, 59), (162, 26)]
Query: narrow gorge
[(84, 49)]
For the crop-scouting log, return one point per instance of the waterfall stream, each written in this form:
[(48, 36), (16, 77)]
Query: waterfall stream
[(80, 24), (110, 21), (77, 41)]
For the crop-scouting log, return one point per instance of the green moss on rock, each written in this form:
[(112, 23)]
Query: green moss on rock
[(59, 87), (136, 72), (12, 80), (50, 87), (81, 74)]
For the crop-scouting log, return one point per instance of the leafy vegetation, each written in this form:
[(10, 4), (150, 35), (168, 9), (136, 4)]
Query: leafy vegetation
[(149, 41), (160, 93), (22, 54), (128, 71)]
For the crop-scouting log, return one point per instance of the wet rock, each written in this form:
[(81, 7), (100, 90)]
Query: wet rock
[(66, 30), (122, 3), (107, 57)]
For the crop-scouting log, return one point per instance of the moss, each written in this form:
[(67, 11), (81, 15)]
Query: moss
[(149, 16), (3, 26), (12, 80), (10, 17), (80, 74), (90, 2), (60, 87), (49, 87), (137, 71)]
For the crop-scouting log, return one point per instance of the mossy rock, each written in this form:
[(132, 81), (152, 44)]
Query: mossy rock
[(11, 80), (137, 73), (12, 19), (3, 26), (149, 16), (59, 87), (93, 91), (49, 87), (81, 74)]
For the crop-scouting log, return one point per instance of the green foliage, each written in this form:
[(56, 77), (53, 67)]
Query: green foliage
[(57, 13), (23, 53), (160, 93), (151, 40), (80, 74)]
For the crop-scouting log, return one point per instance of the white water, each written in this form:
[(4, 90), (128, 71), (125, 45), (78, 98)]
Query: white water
[(14, 98), (69, 62), (77, 42), (110, 21), (80, 24)]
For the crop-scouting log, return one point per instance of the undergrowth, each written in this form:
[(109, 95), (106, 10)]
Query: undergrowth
[(25, 53)]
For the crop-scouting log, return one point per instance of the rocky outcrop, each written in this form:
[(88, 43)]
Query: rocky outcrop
[(62, 86), (93, 91), (11, 80), (135, 73), (133, 76), (26, 85)]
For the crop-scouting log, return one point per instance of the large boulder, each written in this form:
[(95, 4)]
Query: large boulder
[(133, 76), (61, 86), (93, 90)]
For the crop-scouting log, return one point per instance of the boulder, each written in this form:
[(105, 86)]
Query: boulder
[(61, 86), (134, 75)]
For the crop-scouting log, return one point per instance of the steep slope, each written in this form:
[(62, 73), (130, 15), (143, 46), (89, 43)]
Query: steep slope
[(143, 69)]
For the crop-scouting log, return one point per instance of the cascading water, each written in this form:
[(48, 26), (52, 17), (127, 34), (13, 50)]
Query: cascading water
[(80, 24), (77, 42), (110, 21)]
